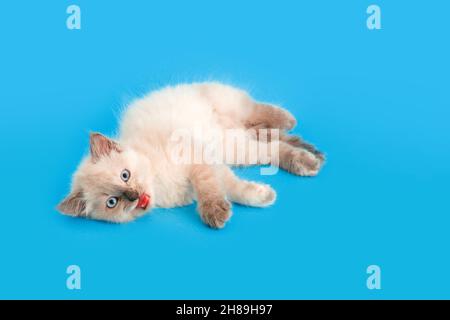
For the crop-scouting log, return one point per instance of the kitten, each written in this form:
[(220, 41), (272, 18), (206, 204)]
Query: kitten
[(122, 179)]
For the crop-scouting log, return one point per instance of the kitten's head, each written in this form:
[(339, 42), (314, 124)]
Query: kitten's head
[(111, 184)]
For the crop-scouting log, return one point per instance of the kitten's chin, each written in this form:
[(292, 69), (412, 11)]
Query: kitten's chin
[(139, 212), (130, 216)]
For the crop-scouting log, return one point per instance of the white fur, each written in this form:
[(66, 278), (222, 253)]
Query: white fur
[(144, 150), (148, 123)]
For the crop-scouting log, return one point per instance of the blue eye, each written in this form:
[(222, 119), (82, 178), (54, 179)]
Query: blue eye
[(125, 175), (112, 202)]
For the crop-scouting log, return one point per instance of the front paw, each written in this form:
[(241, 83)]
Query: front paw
[(259, 195), (215, 212)]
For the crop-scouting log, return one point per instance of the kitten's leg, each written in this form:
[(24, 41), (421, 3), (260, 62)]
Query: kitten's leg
[(214, 209), (290, 139), (237, 106), (246, 192), (298, 142), (295, 160), (299, 161), (265, 116), (269, 117)]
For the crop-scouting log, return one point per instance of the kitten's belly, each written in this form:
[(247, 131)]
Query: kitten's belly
[(173, 189), (179, 200)]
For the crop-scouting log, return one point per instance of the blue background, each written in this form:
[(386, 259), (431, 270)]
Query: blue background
[(377, 102)]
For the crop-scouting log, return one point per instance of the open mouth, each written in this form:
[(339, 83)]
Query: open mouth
[(144, 201)]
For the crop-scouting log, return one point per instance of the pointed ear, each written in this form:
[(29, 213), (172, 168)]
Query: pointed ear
[(101, 146), (73, 205)]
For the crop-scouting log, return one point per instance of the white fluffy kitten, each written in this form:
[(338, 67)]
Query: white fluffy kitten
[(121, 179)]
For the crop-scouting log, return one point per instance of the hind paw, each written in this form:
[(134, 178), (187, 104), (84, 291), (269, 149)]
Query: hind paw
[(302, 163)]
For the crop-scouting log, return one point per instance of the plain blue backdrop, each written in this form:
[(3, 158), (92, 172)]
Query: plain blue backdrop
[(377, 102)]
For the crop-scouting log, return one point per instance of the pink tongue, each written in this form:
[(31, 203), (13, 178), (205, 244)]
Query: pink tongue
[(144, 200)]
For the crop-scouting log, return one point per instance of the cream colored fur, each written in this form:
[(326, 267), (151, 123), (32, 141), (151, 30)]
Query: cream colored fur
[(143, 147)]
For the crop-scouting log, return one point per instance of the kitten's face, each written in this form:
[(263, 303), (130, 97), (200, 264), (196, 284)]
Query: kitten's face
[(112, 184)]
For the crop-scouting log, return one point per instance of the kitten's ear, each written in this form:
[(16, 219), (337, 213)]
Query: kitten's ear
[(101, 146), (73, 205)]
